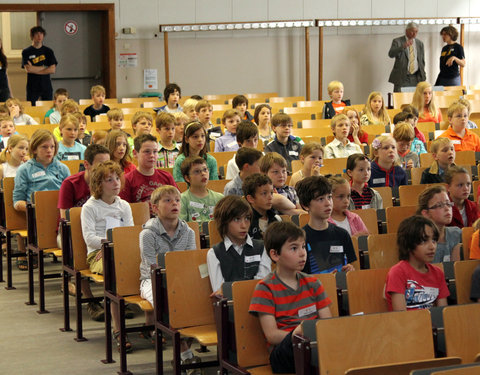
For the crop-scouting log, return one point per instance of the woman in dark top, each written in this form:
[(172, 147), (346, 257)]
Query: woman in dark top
[(4, 83), (451, 58)]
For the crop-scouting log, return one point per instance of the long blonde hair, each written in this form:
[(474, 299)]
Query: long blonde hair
[(13, 141), (419, 102), (382, 115)]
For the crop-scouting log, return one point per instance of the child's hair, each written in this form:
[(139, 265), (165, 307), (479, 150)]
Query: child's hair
[(333, 122), (253, 182), (402, 117), (141, 139), (280, 232), (164, 119), (466, 103), (40, 136), (170, 89), (99, 134), (418, 100), (311, 188), (281, 119), (258, 109), (196, 97), (93, 150), (383, 114), (80, 117), (411, 233), (271, 158), (353, 159), (203, 104), (189, 162), (452, 171), (476, 224), (98, 175), (451, 31), (189, 130), (438, 143), (37, 29), (180, 116), (6, 117), (334, 85), (141, 114), (115, 114), (14, 140), (229, 113), (98, 89), (68, 119), (308, 149), (247, 155), (17, 102), (239, 99), (352, 109), (69, 106), (454, 108), (4, 109), (189, 105), (111, 144), (428, 194), (377, 144), (161, 191), (227, 209), (408, 108), (336, 181), (59, 92), (246, 130), (403, 132)]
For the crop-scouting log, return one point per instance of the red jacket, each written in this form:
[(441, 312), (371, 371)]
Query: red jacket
[(471, 211)]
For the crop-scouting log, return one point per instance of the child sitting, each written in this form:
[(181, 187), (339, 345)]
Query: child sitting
[(68, 149), (413, 283), (181, 119), (97, 108), (465, 212), (204, 112), (341, 147), (263, 117), (189, 110), (115, 119), (475, 242), (337, 104), (247, 136), (60, 96), (195, 144), (7, 129), (411, 116), (385, 168), (15, 109), (198, 201), (404, 135), (462, 138), (287, 289), (99, 137), (443, 153), (247, 160), (424, 103), (466, 103), (434, 204), (375, 112), (284, 143), (168, 148), (418, 145), (69, 106), (142, 123), (228, 141), (116, 142), (104, 210), (172, 95), (362, 196), (341, 216), (311, 157), (258, 190), (240, 103), (83, 137), (238, 256), (329, 248), (357, 134), (15, 154)]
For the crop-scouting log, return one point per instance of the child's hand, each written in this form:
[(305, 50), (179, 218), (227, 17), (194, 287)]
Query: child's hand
[(315, 171), (99, 255), (348, 267), (217, 293), (450, 61), (14, 111), (409, 164), (298, 330), (355, 129)]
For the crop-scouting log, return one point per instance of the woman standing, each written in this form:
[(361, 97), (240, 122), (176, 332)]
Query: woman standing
[(451, 58), (4, 82)]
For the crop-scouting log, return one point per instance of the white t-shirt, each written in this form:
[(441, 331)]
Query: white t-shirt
[(344, 224)]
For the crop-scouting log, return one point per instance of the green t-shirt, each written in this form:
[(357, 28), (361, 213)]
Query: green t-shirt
[(198, 209)]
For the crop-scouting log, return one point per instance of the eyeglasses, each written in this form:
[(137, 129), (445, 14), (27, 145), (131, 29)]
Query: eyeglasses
[(441, 205), (286, 126), (199, 171)]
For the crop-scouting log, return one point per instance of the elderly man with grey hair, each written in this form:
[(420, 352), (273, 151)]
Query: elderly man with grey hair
[(409, 54)]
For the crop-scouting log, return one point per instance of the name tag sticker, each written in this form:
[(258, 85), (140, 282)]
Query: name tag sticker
[(336, 249), (252, 258), (196, 204), (293, 153), (214, 134), (446, 258), (231, 144), (73, 157), (203, 270), (365, 207), (307, 311), (379, 180), (38, 174), (456, 142)]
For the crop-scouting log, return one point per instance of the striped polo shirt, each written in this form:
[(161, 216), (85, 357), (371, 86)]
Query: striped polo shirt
[(289, 306), (361, 200)]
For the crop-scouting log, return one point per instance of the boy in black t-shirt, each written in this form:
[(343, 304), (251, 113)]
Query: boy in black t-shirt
[(97, 108), (329, 248)]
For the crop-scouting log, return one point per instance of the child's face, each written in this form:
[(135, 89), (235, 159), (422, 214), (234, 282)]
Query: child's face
[(427, 95), (341, 197), (82, 125), (337, 95), (387, 151), (425, 251), (242, 108), (352, 116), (251, 142), (167, 132), (413, 121), (59, 101), (283, 131), (14, 109), (237, 229), (147, 155), (231, 124), (120, 148), (403, 146), (264, 116), (116, 123), (168, 207), (292, 256), (143, 126), (45, 152), (459, 120), (342, 128), (196, 141), (278, 175), (199, 175), (20, 151), (69, 132), (111, 186), (205, 115), (361, 172), (321, 207), (173, 99), (98, 99), (315, 159), (263, 199), (460, 186), (440, 209), (179, 126), (7, 128), (445, 155), (192, 115), (376, 103)]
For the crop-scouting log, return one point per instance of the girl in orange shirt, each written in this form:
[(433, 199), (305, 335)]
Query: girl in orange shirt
[(424, 102)]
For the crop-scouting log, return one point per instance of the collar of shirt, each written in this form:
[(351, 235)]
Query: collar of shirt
[(238, 248), (175, 147), (338, 144), (164, 232)]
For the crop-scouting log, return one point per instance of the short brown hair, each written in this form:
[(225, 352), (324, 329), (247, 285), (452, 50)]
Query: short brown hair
[(403, 132), (203, 104), (69, 118), (69, 106), (40, 136), (336, 118), (428, 194), (141, 139), (189, 162), (17, 102), (271, 158), (454, 108), (452, 171), (451, 31), (280, 232), (253, 182), (164, 119), (308, 149), (439, 143), (161, 191), (411, 232), (97, 89), (229, 113), (5, 117), (227, 209), (115, 114), (246, 130), (281, 119), (141, 114), (99, 173)]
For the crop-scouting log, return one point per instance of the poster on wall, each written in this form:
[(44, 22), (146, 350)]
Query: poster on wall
[(128, 60), (150, 79)]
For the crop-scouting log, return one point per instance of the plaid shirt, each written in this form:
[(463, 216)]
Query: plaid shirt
[(166, 158)]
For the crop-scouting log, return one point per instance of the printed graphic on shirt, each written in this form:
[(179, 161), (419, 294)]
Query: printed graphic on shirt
[(38, 59), (418, 296)]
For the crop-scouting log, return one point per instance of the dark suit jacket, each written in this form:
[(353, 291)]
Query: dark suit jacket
[(399, 71)]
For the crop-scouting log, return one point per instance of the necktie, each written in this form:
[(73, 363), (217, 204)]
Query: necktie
[(411, 57)]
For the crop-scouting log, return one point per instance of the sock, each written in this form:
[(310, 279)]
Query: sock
[(186, 354)]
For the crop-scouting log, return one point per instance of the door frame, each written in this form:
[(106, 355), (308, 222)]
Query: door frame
[(108, 33)]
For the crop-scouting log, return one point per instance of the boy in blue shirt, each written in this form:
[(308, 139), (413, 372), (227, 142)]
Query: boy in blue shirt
[(172, 95), (68, 149), (228, 141)]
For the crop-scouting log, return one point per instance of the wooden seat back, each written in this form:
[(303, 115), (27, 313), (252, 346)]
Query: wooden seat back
[(13, 219), (386, 194), (73, 165), (369, 218), (46, 218), (463, 280), (409, 193), (194, 226), (471, 370), (426, 160), (189, 289), (213, 233), (217, 185), (79, 247), (462, 331), (365, 291), (382, 250), (140, 212), (373, 339), (395, 215), (401, 98), (334, 166), (467, 233), (223, 158), (417, 175)]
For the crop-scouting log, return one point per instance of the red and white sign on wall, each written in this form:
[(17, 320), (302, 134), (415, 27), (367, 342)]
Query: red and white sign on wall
[(71, 27)]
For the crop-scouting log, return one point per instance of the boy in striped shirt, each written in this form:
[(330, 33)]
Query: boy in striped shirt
[(286, 297)]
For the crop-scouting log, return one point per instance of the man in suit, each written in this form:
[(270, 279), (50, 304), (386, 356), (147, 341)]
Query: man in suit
[(409, 67)]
